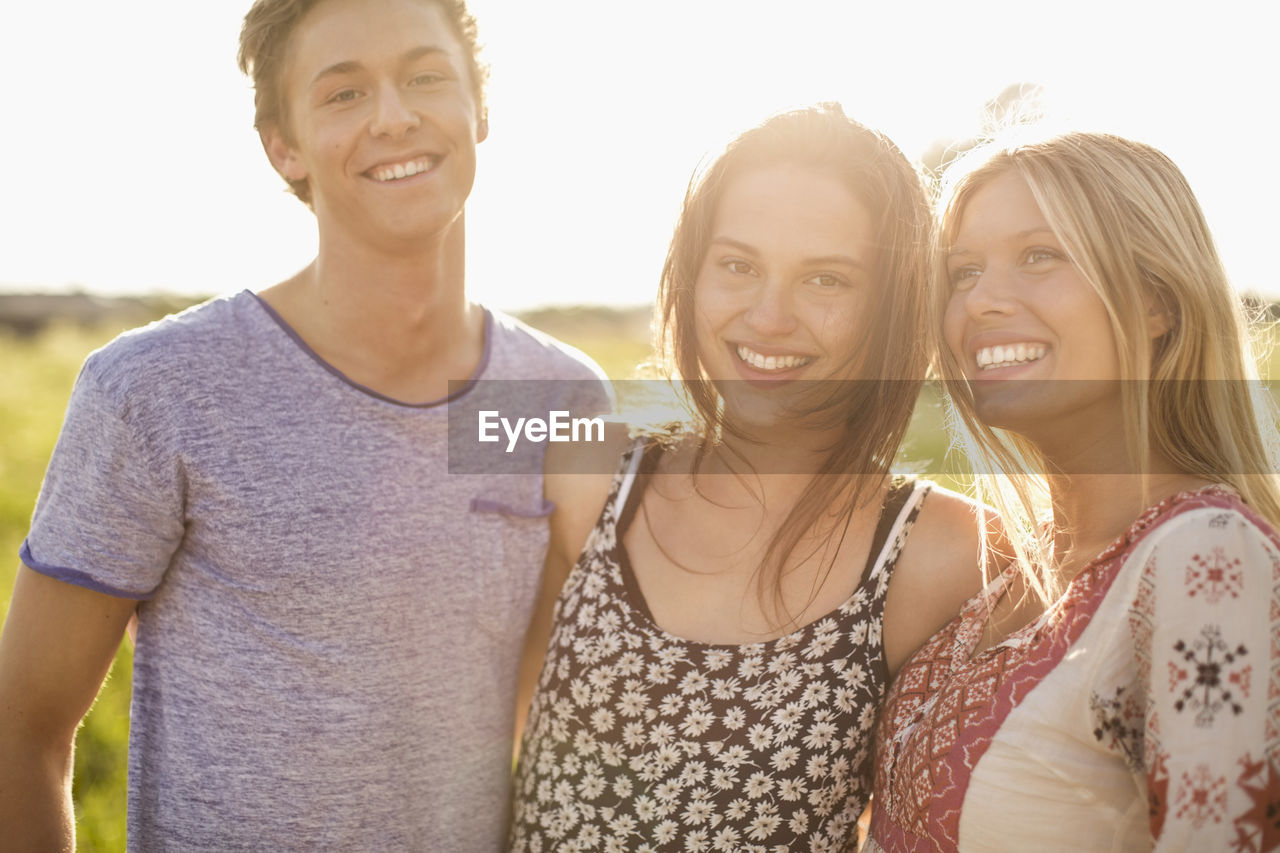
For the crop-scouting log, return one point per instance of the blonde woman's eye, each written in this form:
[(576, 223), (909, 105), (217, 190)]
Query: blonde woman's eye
[(1036, 256), (963, 278), (737, 267)]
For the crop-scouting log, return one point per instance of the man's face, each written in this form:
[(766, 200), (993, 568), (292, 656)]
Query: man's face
[(381, 121)]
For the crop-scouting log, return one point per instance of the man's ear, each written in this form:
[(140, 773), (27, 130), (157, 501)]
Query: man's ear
[(482, 127), (281, 154)]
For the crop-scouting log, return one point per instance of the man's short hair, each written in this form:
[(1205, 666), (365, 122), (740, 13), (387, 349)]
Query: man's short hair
[(264, 50)]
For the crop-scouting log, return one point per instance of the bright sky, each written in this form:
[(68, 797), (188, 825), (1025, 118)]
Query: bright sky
[(131, 163)]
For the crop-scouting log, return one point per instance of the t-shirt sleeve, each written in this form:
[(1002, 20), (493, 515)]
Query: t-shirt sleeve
[(585, 389), (109, 516), (1208, 623)]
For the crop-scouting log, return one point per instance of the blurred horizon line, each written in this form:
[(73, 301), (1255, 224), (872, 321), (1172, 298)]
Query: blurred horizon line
[(195, 295)]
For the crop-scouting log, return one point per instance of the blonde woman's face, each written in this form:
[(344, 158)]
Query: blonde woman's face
[(1027, 329)]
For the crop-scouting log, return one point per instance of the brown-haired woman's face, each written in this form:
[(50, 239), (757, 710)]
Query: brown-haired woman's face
[(782, 292), (1024, 324)]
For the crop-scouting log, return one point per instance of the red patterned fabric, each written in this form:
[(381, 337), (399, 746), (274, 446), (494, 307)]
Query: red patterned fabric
[(1176, 687)]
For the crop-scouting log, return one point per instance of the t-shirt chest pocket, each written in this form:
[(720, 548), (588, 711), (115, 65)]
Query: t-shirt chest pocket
[(509, 536)]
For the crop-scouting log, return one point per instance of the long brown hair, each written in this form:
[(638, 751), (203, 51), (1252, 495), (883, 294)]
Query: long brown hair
[(872, 411)]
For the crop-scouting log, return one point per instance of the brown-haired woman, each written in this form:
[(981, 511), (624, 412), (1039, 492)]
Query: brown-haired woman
[(735, 612)]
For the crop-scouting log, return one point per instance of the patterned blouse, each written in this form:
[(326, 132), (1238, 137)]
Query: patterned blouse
[(1141, 711), (639, 740)]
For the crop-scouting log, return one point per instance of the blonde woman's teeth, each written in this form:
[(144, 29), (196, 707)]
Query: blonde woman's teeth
[(1007, 355), (772, 362)]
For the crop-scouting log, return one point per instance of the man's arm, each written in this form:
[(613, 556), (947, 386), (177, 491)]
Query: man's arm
[(576, 479), (554, 571), (56, 649)]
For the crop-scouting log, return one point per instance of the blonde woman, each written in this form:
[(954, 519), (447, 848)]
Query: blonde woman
[(1116, 688)]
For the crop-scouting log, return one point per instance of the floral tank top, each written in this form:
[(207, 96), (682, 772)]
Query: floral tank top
[(638, 740)]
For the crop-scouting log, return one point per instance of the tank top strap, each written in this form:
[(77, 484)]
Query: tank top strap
[(628, 470), (617, 510), (901, 508)]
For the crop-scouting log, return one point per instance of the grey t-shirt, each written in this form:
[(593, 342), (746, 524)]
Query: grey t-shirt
[(330, 623)]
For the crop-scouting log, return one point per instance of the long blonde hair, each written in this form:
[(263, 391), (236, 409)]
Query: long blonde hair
[(1130, 223)]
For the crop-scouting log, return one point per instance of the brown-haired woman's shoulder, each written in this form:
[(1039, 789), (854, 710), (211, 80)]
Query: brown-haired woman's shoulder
[(937, 572)]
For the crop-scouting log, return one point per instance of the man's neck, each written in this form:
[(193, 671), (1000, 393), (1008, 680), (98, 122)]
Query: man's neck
[(396, 322)]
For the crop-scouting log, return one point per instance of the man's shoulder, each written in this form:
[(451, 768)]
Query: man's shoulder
[(192, 340), (519, 351)]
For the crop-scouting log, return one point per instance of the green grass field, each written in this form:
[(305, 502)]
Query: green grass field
[(36, 376)]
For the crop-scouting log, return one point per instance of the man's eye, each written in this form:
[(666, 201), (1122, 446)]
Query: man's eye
[(427, 78), (344, 96)]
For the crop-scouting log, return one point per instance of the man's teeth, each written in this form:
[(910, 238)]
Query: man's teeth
[(400, 170), (990, 358), (772, 362)]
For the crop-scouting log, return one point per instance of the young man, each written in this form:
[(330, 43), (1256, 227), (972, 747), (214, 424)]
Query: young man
[(329, 622)]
